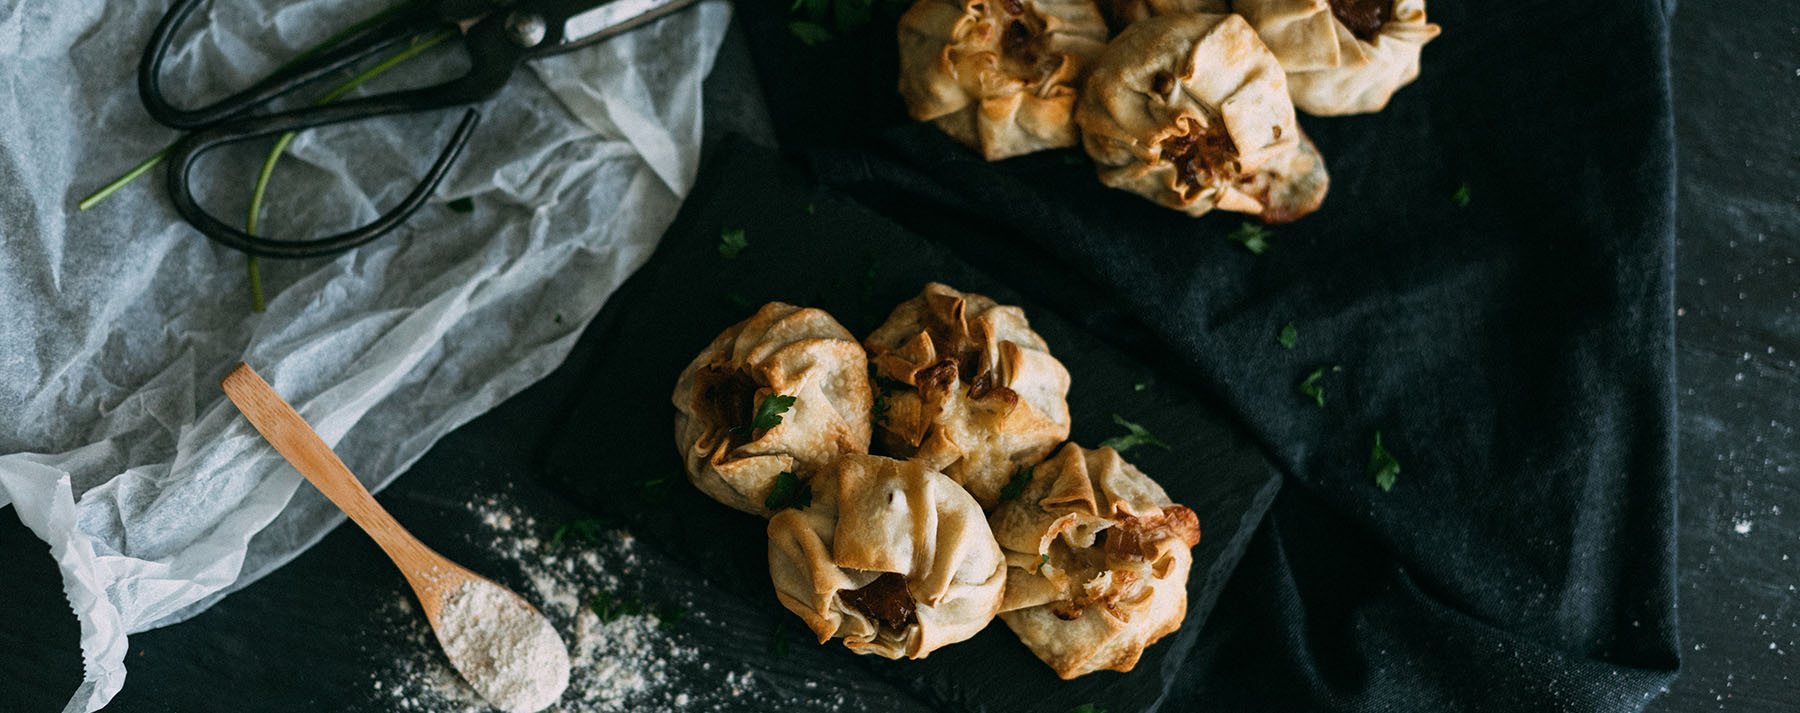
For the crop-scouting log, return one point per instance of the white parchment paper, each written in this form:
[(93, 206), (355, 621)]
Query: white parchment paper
[(116, 324)]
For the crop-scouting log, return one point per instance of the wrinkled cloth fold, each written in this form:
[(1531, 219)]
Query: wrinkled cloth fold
[(1513, 347)]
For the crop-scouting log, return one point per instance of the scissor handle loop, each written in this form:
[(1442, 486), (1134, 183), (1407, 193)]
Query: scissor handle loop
[(185, 152)]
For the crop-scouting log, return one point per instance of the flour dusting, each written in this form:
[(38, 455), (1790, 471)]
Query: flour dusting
[(503, 648)]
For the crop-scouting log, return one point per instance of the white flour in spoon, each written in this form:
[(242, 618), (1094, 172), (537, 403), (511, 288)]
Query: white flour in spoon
[(507, 651)]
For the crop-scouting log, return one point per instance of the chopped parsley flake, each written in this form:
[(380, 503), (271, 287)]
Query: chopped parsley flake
[(653, 490), (1287, 336), (610, 608), (732, 242), (1017, 485), (1311, 387), (768, 415), (1254, 237), (670, 617), (1087, 708), (1043, 564), (1138, 436), (585, 530), (1382, 466), (809, 33), (789, 492), (1140, 386), (1461, 196)]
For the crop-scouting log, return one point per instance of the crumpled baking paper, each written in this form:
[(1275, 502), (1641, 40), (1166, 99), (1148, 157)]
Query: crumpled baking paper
[(119, 449)]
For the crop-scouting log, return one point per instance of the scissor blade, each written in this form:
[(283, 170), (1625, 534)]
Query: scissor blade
[(613, 17)]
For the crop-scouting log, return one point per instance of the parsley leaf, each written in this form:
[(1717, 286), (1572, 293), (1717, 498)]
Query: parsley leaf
[(1461, 196), (1311, 387), (768, 415), (1254, 237), (879, 406), (1141, 386), (1087, 708), (789, 492), (1017, 485), (1382, 466), (585, 530), (732, 242), (809, 33), (610, 608), (778, 639), (653, 490), (464, 204), (1287, 336), (1043, 564), (670, 617), (1139, 436)]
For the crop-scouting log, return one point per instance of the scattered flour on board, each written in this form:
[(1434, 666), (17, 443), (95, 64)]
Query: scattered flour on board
[(634, 660)]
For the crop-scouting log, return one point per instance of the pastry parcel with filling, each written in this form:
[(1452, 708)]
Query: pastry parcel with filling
[(967, 388), (999, 75), (889, 556), (785, 391), (1097, 561), (1192, 111), (1342, 56)]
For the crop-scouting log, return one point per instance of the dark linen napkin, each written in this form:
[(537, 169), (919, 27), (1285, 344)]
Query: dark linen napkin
[(1513, 351)]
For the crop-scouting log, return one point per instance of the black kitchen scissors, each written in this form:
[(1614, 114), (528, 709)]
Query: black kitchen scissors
[(499, 35)]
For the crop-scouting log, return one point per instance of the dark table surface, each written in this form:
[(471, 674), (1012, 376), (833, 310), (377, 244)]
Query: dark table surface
[(1737, 91)]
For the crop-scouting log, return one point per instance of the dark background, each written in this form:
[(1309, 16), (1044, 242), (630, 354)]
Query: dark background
[(1736, 81)]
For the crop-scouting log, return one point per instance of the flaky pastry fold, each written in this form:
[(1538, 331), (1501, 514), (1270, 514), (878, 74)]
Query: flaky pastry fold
[(1000, 76), (891, 557), (782, 350), (967, 388), (1342, 56), (1186, 110), (1097, 561)]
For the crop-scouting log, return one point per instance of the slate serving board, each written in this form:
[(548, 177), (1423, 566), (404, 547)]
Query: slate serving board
[(616, 452)]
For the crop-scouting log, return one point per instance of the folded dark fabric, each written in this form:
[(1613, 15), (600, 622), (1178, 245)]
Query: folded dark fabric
[(1488, 292)]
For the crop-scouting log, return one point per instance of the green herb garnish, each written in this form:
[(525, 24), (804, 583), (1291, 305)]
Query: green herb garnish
[(670, 617), (879, 406), (1311, 387), (789, 492), (1043, 564), (731, 242), (1382, 465), (809, 33), (1141, 386), (610, 608), (768, 415), (585, 530), (1461, 196), (1254, 237), (1139, 436), (778, 639), (1287, 336), (653, 490), (1087, 708), (1017, 485), (464, 204)]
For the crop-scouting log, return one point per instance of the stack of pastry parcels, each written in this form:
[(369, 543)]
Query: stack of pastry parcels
[(967, 510), (1191, 103)]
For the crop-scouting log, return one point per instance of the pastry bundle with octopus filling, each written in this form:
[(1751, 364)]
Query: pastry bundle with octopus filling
[(1191, 111), (1000, 76), (890, 556), (1097, 561), (1342, 56), (785, 391), (966, 387)]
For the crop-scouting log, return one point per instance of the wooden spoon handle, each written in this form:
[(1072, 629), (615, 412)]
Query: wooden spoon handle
[(301, 446)]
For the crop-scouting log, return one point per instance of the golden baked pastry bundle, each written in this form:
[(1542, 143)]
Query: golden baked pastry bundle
[(961, 513), (1191, 102)]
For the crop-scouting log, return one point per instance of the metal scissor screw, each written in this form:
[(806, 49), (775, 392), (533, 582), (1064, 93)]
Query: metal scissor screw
[(525, 29)]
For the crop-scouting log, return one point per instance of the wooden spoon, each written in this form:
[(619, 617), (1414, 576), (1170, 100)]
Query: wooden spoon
[(434, 579)]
